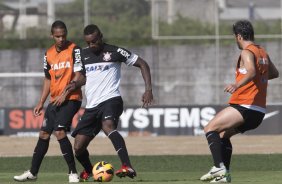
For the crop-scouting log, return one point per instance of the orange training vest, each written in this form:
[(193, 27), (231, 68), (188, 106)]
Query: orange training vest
[(61, 72), (254, 92)]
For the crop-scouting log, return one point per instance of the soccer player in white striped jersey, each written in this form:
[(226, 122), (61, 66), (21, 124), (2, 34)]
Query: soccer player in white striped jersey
[(102, 64)]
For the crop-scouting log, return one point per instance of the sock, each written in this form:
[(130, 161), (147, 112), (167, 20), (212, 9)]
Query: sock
[(85, 161), (226, 151), (67, 152), (215, 147), (39, 152), (119, 145)]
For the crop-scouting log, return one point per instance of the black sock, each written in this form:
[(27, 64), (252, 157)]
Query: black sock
[(226, 152), (215, 147), (67, 152), (120, 147), (39, 152), (85, 161)]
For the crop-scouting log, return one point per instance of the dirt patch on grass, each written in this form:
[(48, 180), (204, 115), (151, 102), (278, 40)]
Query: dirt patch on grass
[(138, 145)]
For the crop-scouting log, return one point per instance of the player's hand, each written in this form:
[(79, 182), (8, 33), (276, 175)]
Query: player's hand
[(59, 100), (231, 88), (70, 87), (147, 98), (37, 111)]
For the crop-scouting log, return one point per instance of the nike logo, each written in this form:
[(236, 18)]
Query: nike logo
[(219, 178), (61, 126), (106, 117), (270, 114), (214, 172), (86, 58)]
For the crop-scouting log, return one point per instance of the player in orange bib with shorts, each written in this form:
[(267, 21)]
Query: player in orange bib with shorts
[(247, 105), (62, 67)]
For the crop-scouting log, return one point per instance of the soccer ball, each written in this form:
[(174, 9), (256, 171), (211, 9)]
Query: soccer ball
[(103, 171)]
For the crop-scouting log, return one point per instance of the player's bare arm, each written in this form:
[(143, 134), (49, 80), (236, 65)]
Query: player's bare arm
[(272, 70), (147, 97), (247, 62), (45, 92), (78, 81)]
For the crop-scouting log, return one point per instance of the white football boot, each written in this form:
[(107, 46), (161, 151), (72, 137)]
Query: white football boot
[(213, 173), (26, 176), (73, 178)]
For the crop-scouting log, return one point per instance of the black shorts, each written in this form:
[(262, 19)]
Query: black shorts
[(252, 118), (90, 123), (60, 117)]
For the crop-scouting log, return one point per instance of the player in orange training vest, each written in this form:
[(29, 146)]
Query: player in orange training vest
[(247, 103), (62, 67)]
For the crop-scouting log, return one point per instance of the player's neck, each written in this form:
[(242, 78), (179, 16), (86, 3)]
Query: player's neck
[(247, 43), (58, 49)]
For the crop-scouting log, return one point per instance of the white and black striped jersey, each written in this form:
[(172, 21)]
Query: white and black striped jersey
[(103, 72)]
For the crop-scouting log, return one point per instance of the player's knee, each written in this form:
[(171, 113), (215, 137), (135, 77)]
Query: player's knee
[(60, 134), (209, 128), (44, 135), (78, 149), (206, 129), (108, 126)]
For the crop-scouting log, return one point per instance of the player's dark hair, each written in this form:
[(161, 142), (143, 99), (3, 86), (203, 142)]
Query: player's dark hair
[(92, 28), (245, 29), (58, 24)]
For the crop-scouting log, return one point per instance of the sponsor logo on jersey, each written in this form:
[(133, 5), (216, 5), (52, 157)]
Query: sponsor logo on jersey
[(123, 53), (60, 65), (97, 68), (107, 56), (77, 56), (45, 62)]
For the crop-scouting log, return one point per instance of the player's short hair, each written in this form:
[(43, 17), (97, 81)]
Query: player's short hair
[(245, 29), (92, 28), (58, 24)]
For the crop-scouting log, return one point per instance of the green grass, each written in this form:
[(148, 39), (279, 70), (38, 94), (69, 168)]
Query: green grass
[(251, 169)]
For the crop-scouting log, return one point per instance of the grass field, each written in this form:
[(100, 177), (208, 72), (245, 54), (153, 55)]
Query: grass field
[(251, 169)]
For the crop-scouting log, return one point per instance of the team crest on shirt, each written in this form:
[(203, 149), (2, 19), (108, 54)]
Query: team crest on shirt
[(107, 56)]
